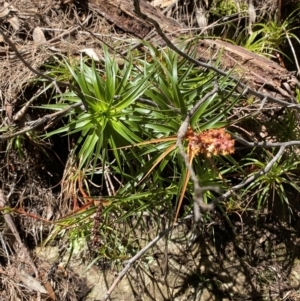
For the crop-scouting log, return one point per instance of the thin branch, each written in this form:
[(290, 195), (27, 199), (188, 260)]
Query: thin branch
[(265, 144), (21, 113)]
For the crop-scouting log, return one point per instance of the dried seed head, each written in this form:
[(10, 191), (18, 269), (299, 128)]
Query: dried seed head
[(211, 142)]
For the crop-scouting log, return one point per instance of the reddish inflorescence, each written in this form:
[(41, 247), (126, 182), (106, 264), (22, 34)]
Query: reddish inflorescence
[(211, 142)]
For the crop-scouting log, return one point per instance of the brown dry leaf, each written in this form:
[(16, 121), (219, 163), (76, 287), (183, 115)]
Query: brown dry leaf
[(4, 9), (50, 291), (38, 35), (14, 22)]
